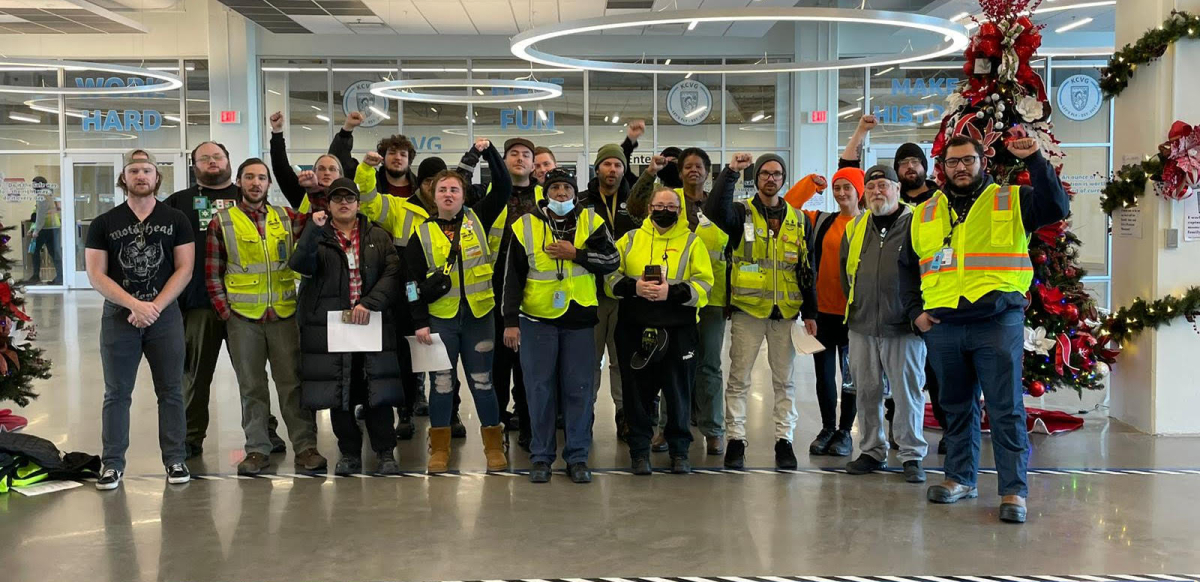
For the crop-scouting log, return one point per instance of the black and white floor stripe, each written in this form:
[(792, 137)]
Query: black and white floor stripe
[(1037, 578)]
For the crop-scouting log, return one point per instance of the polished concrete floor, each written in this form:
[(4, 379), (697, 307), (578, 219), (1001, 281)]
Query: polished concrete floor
[(472, 527)]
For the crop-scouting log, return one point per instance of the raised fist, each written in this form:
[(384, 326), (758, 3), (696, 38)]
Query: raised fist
[(482, 144), (373, 159), (657, 163), (319, 218), (740, 162), (353, 120), (307, 180), (867, 123), (636, 128), (277, 122)]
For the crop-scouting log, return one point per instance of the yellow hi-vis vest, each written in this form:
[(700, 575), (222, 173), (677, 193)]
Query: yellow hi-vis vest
[(988, 252), (682, 254), (549, 277), (376, 207), (764, 271), (257, 275), (477, 260), (399, 216), (496, 232), (856, 233), (715, 240)]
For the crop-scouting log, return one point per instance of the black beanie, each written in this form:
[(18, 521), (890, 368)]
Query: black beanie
[(910, 150), (429, 168)]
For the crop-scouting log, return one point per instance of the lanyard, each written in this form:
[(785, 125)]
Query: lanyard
[(954, 222), (611, 209)]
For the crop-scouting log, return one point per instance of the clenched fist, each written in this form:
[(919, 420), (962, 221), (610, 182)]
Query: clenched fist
[(482, 144), (319, 218), (657, 163), (307, 180), (741, 161), (277, 122), (636, 128), (373, 159), (353, 120), (867, 123)]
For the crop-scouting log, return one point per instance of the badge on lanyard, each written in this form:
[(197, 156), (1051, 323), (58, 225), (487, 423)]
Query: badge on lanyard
[(560, 299), (748, 232), (947, 256), (411, 289), (351, 260), (281, 251), (205, 218), (702, 219), (199, 202)]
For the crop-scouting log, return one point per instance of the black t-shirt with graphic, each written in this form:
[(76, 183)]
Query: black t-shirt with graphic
[(141, 253)]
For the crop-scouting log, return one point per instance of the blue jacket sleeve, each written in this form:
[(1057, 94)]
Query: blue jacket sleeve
[(1045, 202), (720, 208)]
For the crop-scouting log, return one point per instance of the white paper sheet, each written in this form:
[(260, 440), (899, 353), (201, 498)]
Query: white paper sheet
[(349, 337), (425, 358), (805, 344), (46, 487)]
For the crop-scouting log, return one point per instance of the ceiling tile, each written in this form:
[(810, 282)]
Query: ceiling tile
[(446, 17)]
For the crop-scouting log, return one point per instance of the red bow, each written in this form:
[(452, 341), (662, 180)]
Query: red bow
[(1049, 234), (6, 297)]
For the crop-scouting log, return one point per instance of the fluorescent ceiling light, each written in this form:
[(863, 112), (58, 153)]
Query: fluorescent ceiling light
[(365, 69), (322, 117), (668, 61), (479, 91), (693, 25), (306, 127), (929, 96), (432, 70), (165, 81), (849, 111), (542, 113), (758, 117), (885, 71), (1074, 25), (861, 98), (273, 92), (932, 123), (172, 69), (605, 119), (403, 91), (25, 118), (378, 112), (687, 76), (616, 118), (171, 118), (924, 111), (315, 108), (1075, 6), (294, 69)]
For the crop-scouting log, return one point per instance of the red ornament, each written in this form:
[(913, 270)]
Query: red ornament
[(1039, 257), (1070, 272), (1037, 388), (1049, 234), (1071, 312), (1027, 24), (1022, 178), (989, 30)]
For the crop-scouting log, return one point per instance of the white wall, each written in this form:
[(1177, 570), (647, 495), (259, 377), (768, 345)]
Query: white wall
[(175, 33)]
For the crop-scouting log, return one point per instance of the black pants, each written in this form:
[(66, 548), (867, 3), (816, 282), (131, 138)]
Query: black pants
[(506, 362), (378, 419), (833, 334), (673, 375), (931, 384)]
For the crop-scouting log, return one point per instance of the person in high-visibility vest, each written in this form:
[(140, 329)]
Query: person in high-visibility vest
[(882, 342), (549, 309), (771, 284), (450, 293), (970, 254), (46, 232), (693, 167), (664, 280), (253, 289)]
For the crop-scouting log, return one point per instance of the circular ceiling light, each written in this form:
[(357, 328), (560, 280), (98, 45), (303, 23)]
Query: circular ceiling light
[(954, 38), (167, 81), (404, 91)]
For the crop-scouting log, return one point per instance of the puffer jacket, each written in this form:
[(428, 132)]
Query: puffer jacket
[(324, 376)]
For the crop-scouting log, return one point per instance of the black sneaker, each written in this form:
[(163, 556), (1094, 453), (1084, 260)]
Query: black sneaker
[(735, 454), (540, 473), (580, 473), (820, 443), (405, 429), (841, 445), (680, 466), (864, 465), (524, 439), (421, 406), (641, 466), (109, 480), (913, 473), (178, 474), (457, 429), (387, 463), (347, 466), (785, 457)]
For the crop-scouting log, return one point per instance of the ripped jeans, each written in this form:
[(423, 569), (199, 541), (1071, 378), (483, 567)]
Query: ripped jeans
[(474, 340)]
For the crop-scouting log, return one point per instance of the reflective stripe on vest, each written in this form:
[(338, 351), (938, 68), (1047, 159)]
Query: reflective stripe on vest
[(630, 263), (476, 260), (989, 250), (257, 276), (542, 282)]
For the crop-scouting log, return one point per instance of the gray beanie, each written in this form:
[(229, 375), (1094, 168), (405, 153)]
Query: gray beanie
[(758, 164)]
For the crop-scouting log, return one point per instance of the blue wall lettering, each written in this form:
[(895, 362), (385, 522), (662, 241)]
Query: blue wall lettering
[(127, 120)]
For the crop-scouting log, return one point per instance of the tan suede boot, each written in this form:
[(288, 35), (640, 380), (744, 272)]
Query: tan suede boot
[(439, 450), (493, 447)]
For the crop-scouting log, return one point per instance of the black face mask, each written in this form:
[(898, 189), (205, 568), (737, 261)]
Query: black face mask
[(664, 218)]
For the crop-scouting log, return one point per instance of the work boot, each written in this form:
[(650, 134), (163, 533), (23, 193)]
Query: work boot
[(714, 445), (785, 457), (457, 429), (540, 472), (493, 447), (864, 465), (735, 454), (439, 450), (913, 473), (387, 463), (680, 465), (348, 465), (841, 445), (310, 461), (580, 473), (641, 466), (659, 443), (819, 444), (1012, 509), (950, 492), (253, 464)]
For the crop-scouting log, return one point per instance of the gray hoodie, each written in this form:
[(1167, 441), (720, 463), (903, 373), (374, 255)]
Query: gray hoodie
[(877, 309)]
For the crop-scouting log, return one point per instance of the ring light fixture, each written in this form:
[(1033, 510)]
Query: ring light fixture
[(954, 38), (404, 91), (167, 81)]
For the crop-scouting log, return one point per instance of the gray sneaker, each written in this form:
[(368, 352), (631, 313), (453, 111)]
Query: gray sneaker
[(387, 464), (913, 473), (347, 466), (865, 464)]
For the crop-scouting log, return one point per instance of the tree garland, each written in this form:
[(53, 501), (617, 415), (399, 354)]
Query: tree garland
[(1129, 184), (1115, 77), (1127, 322)]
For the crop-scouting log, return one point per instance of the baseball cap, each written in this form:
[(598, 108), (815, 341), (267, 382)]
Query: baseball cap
[(518, 141), (136, 156), (881, 171)]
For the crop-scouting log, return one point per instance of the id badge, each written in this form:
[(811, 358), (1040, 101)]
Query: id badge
[(790, 257), (352, 260), (749, 268), (702, 219), (936, 264), (199, 202), (411, 290), (947, 256), (281, 251), (560, 300), (748, 231)]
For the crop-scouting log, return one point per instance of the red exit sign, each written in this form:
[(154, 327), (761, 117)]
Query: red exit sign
[(230, 117), (818, 116)]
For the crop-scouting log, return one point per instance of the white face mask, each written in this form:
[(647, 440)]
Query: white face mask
[(561, 208)]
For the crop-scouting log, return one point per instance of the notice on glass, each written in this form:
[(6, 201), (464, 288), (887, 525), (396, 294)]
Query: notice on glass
[(805, 344), (344, 336), (1128, 222), (1191, 218), (431, 358)]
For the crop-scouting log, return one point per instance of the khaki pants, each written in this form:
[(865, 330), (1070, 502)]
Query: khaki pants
[(251, 346), (746, 336)]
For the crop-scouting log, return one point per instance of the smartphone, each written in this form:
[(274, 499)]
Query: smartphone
[(653, 273)]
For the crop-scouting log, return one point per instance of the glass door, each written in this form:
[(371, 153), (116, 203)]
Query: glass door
[(90, 183)]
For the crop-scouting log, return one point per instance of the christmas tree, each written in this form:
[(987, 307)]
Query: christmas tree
[(1004, 97), (20, 361)]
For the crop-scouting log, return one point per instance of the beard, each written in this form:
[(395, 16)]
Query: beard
[(395, 174), (914, 183), (213, 178), (954, 189)]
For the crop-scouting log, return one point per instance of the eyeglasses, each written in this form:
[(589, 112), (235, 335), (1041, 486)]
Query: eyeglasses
[(770, 176), (669, 207), (965, 161), (343, 198), (909, 162), (212, 158)]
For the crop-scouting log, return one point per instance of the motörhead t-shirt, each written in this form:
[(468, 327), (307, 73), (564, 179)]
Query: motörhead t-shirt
[(141, 253)]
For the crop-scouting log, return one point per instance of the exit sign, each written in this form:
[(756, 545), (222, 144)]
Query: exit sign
[(818, 116), (230, 117)]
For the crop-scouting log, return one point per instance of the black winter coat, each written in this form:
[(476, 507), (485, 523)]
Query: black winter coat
[(324, 376)]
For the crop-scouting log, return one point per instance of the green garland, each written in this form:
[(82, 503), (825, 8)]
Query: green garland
[(1115, 78), (1129, 184), (1127, 322)]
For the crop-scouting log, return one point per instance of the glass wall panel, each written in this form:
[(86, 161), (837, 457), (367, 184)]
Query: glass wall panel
[(196, 101), (852, 90), (28, 121), (757, 110), (1081, 114), (144, 120), (1086, 170), (438, 129), (351, 80), (21, 189), (909, 101), (689, 108)]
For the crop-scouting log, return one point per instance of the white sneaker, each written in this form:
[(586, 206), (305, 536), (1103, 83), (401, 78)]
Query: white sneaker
[(178, 474)]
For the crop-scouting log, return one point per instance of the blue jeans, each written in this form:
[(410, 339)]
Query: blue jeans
[(48, 238), (121, 348), (708, 398), (982, 356), (473, 339), (558, 365)]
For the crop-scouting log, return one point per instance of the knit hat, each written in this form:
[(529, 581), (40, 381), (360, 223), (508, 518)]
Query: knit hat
[(342, 184), (611, 150), (560, 175), (910, 150), (855, 176), (138, 156), (429, 168), (763, 159), (881, 171), (518, 141)]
